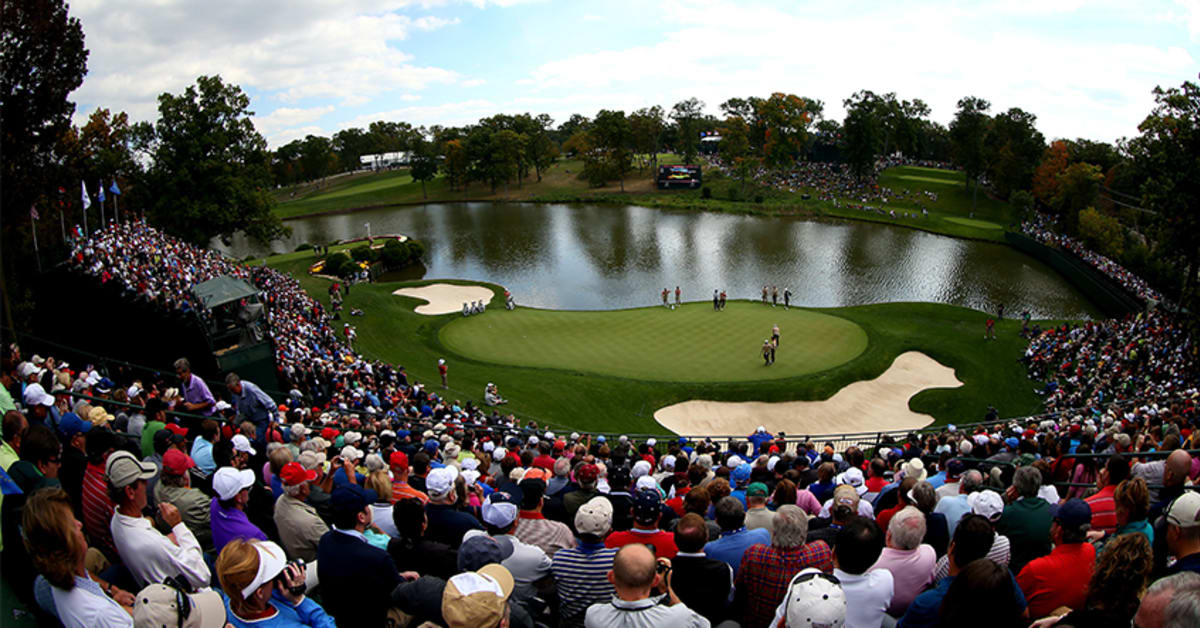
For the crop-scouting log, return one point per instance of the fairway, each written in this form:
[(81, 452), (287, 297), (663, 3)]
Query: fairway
[(971, 222), (689, 344)]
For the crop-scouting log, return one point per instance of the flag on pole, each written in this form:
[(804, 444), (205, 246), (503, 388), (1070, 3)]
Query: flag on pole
[(87, 201), (33, 212), (101, 195), (114, 189)]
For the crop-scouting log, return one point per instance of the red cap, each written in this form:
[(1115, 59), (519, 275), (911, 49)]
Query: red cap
[(537, 474), (176, 429), (587, 473), (558, 445), (294, 473), (176, 462), (329, 433), (283, 408), (399, 460)]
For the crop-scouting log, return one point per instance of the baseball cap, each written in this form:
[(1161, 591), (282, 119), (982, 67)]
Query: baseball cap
[(594, 517), (1072, 513), (1185, 511), (618, 476), (647, 505), (741, 473), (329, 433), (310, 460), (587, 473), (71, 424), (440, 482), (815, 599), (477, 598), (293, 473), (399, 460), (123, 469), (955, 467), (989, 504), (228, 481), (159, 605), (479, 549), (241, 443), (500, 509), (1012, 441), (176, 462), (350, 498), (177, 429), (757, 489), (36, 395)]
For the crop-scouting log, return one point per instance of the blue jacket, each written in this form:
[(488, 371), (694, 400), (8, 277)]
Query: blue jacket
[(308, 613)]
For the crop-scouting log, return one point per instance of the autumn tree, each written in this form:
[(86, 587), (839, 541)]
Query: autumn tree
[(455, 163), (1045, 178), (786, 118)]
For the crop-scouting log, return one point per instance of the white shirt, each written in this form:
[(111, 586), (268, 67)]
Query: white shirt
[(867, 598), (381, 516), (527, 564), (1049, 493), (152, 557), (86, 606)]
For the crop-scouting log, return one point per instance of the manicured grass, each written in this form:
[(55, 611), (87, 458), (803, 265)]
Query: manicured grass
[(971, 222), (689, 344), (573, 397)]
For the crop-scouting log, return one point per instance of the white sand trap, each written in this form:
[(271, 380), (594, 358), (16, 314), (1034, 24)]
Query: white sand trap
[(877, 404), (445, 298)]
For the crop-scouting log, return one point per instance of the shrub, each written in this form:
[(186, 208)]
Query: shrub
[(758, 199), (338, 265), (734, 195), (304, 246), (364, 253), (705, 192), (394, 256), (416, 250)]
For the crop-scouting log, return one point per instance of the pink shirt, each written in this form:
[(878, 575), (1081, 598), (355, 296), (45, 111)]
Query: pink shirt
[(807, 502), (912, 572)]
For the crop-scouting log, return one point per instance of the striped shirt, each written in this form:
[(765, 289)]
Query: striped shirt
[(1001, 554), (403, 490), (1104, 510), (98, 510), (581, 573), (536, 530)]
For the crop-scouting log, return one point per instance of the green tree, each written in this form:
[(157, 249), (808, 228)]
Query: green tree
[(350, 144), (542, 150), (508, 152), (1101, 233), (317, 159), (1014, 146), (687, 114), (862, 132), (423, 164), (647, 126), (1022, 201), (210, 175), (455, 163), (967, 134), (613, 138), (735, 149), (1078, 187)]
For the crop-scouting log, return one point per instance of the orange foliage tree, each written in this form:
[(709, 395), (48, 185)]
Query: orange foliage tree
[(1045, 178)]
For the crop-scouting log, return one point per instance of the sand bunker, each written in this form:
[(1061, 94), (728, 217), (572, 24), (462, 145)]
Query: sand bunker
[(877, 404), (445, 298)]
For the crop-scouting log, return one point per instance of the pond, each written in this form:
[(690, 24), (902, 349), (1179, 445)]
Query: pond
[(594, 257)]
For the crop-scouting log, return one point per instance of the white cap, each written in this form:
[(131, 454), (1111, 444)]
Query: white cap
[(650, 442), (440, 482), (241, 443), (228, 481), (813, 600)]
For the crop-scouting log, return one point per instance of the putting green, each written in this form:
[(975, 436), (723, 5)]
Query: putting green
[(690, 344), (971, 222)]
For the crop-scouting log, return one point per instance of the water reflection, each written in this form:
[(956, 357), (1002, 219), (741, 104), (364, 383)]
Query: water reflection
[(589, 257)]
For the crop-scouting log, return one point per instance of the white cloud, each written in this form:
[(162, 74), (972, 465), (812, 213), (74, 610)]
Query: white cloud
[(473, 83), (447, 114)]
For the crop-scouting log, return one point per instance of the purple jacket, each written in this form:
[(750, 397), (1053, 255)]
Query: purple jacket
[(229, 524)]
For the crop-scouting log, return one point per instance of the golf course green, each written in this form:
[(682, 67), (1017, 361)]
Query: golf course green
[(690, 344)]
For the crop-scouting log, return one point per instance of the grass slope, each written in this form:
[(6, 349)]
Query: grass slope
[(571, 397), (689, 344)]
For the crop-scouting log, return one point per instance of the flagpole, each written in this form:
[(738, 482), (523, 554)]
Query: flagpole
[(102, 210), (62, 222), (116, 209), (36, 254)]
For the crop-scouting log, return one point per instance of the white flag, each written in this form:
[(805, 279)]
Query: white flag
[(87, 202)]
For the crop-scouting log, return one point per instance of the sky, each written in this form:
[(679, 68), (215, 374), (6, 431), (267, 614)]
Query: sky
[(1085, 69)]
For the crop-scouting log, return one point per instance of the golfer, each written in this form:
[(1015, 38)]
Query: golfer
[(677, 296), (443, 370), (767, 351), (775, 335)]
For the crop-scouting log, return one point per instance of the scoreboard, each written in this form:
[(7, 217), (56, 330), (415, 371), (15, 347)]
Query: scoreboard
[(674, 177)]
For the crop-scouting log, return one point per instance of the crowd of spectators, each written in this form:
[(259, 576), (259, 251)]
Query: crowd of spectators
[(1043, 229)]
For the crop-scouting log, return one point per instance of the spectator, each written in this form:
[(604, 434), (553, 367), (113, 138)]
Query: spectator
[(356, 578), (149, 555), (1159, 602), (901, 494), (869, 591), (954, 472), (813, 598), (953, 507), (990, 506), (703, 584), (735, 538), (202, 447), (983, 585), (581, 572), (401, 489), (175, 487), (412, 551), (535, 529), (197, 399), (757, 513), (647, 510), (57, 549), (971, 541), (844, 508), (1104, 510), (98, 507), (910, 562), (447, 524), (1131, 501), (586, 475), (1114, 593), (635, 577), (1061, 577), (1175, 475), (478, 599), (527, 563), (227, 509), (251, 404), (937, 531), (300, 527), (256, 582), (381, 510), (766, 570), (1183, 533), (1026, 521)]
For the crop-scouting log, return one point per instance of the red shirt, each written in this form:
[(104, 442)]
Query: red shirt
[(97, 509), (885, 516), (676, 503), (663, 542), (1058, 579), (1104, 510), (875, 484), (544, 461)]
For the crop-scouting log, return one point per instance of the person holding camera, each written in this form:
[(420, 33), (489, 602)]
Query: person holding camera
[(644, 596), (262, 589)]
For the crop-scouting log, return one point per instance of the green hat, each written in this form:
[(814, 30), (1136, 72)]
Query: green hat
[(757, 489)]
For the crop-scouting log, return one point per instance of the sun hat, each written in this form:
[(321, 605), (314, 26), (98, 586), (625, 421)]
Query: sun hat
[(815, 600), (594, 517), (176, 462), (477, 598), (853, 477), (123, 469), (159, 605), (228, 481)]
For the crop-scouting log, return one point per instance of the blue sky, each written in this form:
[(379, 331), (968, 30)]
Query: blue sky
[(1086, 69)]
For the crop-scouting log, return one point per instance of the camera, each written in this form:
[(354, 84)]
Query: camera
[(297, 566)]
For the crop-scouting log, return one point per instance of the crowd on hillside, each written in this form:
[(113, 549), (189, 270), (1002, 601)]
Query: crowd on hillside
[(1043, 229), (431, 519)]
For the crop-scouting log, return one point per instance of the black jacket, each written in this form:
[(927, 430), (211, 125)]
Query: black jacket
[(703, 584), (357, 580)]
